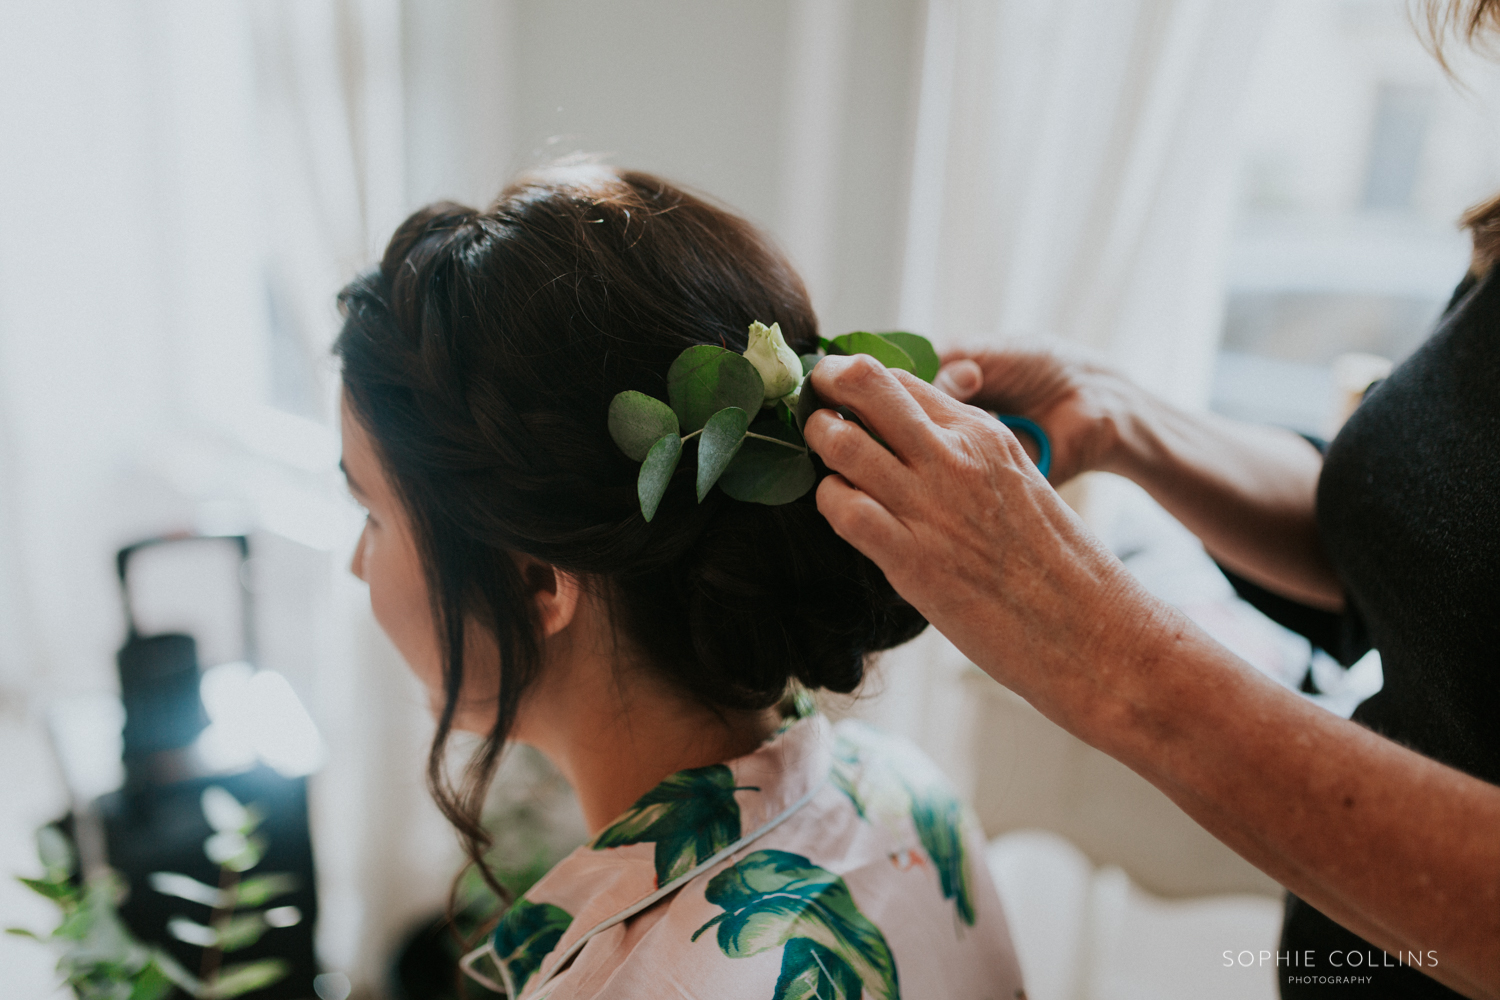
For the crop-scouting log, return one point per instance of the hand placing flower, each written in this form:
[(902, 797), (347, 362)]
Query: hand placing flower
[(779, 367)]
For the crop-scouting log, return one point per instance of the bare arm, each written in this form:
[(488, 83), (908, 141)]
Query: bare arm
[(1400, 849), (1246, 491)]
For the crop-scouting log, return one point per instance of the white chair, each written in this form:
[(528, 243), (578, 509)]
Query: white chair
[(1087, 933)]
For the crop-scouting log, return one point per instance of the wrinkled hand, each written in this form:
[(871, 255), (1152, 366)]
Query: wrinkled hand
[(1079, 402), (968, 532)]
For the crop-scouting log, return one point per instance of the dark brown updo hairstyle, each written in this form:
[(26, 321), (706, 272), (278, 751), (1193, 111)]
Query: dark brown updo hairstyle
[(482, 356)]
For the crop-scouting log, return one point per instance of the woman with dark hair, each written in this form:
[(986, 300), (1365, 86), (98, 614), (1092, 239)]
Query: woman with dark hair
[(1384, 829), (744, 847)]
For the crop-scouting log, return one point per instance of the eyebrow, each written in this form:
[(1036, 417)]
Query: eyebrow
[(350, 480)]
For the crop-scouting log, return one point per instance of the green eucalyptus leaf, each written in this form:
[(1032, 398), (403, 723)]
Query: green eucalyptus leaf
[(225, 813), (769, 473), (808, 400), (52, 890), (169, 967), (190, 889), (721, 439), (705, 379), (56, 853), (234, 980), (882, 350), (809, 362), (76, 925), (656, 473), (192, 932), (786, 415), (151, 983), (637, 421), (920, 350), (261, 889), (234, 850), (828, 346), (242, 930)]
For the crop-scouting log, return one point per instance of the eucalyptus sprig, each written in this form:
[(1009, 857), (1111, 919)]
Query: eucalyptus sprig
[(97, 955), (747, 412)]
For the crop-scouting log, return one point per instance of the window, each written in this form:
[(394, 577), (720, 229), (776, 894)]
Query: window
[(1359, 156)]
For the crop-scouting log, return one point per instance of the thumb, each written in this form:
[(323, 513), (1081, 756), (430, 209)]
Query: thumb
[(960, 379)]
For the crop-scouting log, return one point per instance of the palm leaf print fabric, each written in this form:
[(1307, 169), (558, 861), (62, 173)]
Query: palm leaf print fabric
[(689, 817), (776, 898), (887, 790), (844, 868), (527, 934), (938, 818)]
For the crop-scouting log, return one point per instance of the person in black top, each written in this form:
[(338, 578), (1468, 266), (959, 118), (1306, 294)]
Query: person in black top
[(1408, 508), (1386, 828)]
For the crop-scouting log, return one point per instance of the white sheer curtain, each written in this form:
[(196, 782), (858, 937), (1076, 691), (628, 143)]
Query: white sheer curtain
[(184, 187), (1073, 173), (1072, 177)]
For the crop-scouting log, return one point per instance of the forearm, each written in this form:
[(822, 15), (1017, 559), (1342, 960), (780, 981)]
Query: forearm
[(1247, 491), (1400, 849)]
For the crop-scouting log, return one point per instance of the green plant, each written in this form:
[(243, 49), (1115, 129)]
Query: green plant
[(236, 920), (101, 960), (747, 412), (97, 956)]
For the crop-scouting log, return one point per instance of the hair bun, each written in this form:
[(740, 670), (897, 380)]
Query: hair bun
[(767, 595)]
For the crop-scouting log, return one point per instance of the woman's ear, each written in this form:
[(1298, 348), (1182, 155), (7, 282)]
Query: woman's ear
[(555, 592)]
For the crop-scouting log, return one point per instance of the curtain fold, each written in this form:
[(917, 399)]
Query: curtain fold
[(1077, 178), (1072, 177)]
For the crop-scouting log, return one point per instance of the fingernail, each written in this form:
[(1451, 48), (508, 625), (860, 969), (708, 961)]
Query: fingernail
[(960, 379)]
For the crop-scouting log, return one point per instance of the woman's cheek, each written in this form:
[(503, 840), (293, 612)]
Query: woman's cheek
[(398, 598)]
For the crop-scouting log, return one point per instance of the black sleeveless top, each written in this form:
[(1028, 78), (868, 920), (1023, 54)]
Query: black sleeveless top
[(1408, 508)]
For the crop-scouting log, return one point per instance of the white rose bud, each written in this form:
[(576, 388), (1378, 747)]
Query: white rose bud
[(780, 368)]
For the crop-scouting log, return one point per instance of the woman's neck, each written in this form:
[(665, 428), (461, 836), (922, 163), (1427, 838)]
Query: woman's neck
[(616, 730)]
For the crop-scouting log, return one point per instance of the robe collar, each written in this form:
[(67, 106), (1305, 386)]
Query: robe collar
[(686, 825)]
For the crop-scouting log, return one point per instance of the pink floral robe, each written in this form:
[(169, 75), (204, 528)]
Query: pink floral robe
[(834, 861)]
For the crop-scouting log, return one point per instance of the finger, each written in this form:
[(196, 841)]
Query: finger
[(884, 404), (960, 379), (847, 448), (981, 372), (860, 520), (949, 413), (942, 409)]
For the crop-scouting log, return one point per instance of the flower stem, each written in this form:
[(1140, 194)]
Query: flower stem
[(774, 440)]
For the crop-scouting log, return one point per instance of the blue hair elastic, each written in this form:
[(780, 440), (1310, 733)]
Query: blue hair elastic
[(1035, 432)]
